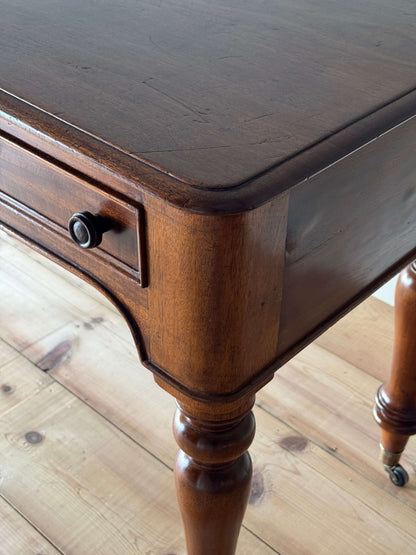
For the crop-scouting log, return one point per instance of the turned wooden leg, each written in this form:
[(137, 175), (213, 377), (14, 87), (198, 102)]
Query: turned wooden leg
[(213, 477), (395, 408)]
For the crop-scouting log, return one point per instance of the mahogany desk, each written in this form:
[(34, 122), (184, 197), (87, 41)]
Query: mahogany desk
[(236, 176)]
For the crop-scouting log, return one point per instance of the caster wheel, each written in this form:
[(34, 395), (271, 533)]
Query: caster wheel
[(398, 475)]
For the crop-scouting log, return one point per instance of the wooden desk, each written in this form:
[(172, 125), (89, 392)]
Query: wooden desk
[(251, 169)]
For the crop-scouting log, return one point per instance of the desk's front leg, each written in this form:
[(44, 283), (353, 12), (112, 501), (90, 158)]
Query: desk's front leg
[(213, 475), (395, 408), (215, 290)]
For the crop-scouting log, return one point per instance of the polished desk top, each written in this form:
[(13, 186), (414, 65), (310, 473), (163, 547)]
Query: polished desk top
[(215, 93)]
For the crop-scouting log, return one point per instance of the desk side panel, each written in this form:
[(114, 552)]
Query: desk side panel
[(349, 227)]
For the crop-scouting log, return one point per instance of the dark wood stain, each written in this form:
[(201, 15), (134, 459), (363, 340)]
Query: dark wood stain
[(90, 325), (33, 437), (7, 389), (257, 487), (294, 443), (55, 357)]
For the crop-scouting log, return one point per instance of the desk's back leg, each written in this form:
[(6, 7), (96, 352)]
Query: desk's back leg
[(213, 475), (395, 408)]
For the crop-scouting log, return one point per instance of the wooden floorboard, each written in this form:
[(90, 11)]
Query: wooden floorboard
[(19, 536), (96, 476)]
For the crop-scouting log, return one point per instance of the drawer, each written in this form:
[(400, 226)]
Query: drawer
[(57, 194)]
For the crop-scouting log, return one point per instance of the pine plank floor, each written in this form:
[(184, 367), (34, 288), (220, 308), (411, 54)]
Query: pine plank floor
[(86, 450)]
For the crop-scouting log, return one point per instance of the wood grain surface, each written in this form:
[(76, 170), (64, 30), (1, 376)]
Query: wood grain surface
[(213, 92), (19, 536)]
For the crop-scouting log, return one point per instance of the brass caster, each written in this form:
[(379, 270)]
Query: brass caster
[(398, 475)]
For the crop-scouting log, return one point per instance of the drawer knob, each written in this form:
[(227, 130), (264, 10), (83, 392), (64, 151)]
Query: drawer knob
[(87, 229)]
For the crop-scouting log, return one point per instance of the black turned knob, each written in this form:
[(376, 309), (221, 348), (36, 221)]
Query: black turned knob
[(87, 229)]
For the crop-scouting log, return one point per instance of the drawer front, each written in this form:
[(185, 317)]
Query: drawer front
[(57, 194)]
